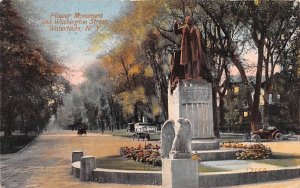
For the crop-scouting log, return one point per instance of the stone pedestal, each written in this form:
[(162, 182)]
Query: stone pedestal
[(180, 155), (179, 173), (87, 165), (76, 155), (192, 100)]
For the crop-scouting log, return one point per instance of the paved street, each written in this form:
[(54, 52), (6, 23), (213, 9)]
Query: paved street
[(47, 162)]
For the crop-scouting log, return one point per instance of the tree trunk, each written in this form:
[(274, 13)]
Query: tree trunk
[(221, 113), (215, 112), (118, 119), (135, 114), (7, 131), (164, 97), (266, 104), (238, 64), (255, 114)]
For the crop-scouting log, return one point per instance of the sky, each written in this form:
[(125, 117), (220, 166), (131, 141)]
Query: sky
[(74, 46)]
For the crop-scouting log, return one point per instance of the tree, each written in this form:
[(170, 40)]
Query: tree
[(236, 106), (28, 74), (97, 98), (270, 29), (128, 66), (229, 29)]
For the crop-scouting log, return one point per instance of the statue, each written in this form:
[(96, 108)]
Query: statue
[(191, 49), (176, 139), (188, 63)]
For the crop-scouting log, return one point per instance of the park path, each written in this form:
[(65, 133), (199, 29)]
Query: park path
[(47, 162)]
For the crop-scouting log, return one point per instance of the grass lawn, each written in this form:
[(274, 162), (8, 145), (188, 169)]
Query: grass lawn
[(14, 143), (117, 162), (282, 160), (204, 169), (121, 132)]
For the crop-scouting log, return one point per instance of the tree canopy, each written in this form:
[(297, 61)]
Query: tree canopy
[(138, 65), (30, 79)]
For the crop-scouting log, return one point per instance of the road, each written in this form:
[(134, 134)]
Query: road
[(47, 161)]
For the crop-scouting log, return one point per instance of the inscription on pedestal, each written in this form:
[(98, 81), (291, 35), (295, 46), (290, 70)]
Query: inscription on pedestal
[(194, 95)]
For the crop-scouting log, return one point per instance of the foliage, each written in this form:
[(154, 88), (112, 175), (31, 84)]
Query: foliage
[(30, 82), (283, 112), (149, 154), (273, 30), (130, 98), (131, 74), (13, 144), (145, 39), (71, 110), (235, 103), (92, 102)]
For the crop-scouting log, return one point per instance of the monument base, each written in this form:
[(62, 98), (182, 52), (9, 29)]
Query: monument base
[(179, 173), (217, 155), (192, 100), (180, 155), (209, 150), (205, 144)]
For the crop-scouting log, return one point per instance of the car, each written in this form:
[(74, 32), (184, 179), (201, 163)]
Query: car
[(269, 133), (130, 127), (143, 136), (82, 129), (142, 130)]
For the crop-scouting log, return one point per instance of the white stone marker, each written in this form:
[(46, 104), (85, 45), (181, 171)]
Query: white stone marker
[(180, 173), (87, 165), (76, 155)]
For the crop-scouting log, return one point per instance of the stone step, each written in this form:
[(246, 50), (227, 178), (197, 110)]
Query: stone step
[(205, 144), (217, 155)]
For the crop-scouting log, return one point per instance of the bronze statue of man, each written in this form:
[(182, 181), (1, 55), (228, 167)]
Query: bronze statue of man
[(191, 50)]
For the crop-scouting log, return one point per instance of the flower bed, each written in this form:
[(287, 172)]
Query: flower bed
[(254, 151), (149, 154)]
